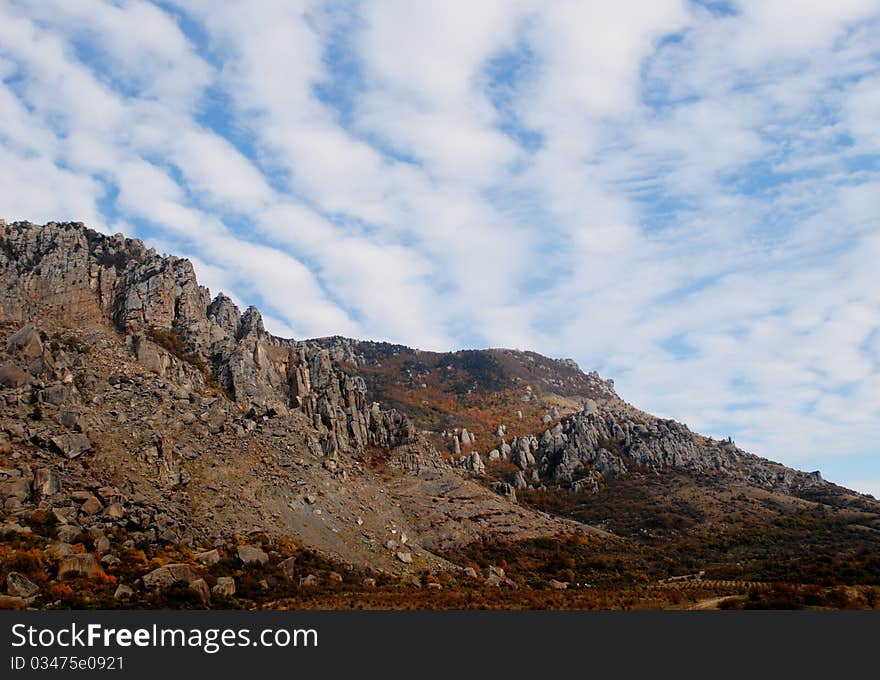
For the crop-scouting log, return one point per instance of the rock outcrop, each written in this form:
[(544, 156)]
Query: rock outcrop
[(586, 447), (66, 273)]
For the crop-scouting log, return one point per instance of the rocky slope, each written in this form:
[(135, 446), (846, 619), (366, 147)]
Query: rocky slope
[(143, 412), (133, 400)]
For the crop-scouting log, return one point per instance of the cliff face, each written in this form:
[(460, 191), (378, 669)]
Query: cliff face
[(614, 440), (68, 274)]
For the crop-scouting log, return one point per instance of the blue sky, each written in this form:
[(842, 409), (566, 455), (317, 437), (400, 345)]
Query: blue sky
[(681, 195)]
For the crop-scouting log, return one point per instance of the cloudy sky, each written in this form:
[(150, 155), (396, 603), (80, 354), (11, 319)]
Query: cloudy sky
[(682, 195)]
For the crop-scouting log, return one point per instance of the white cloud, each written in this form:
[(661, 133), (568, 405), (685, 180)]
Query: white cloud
[(432, 105), (860, 113)]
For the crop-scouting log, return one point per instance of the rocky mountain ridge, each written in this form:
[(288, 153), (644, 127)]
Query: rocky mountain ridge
[(135, 402), (594, 435), (137, 406), (69, 274)]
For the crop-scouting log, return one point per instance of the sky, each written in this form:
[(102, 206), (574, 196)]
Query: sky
[(682, 195)]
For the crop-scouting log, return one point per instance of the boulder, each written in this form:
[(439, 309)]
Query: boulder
[(58, 549), (405, 557), (558, 585), (25, 342), (506, 490), (309, 580), (108, 494), (68, 532), (208, 557), (114, 511), (91, 506), (522, 458), (12, 376), (474, 463), (287, 567), (495, 581), (168, 535), (71, 444), (168, 575), (200, 588), (123, 592), (225, 586), (19, 585), (68, 418), (46, 482), (151, 357), (17, 488), (250, 554), (85, 565), (55, 395)]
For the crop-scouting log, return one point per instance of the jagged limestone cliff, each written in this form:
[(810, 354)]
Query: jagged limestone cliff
[(66, 273)]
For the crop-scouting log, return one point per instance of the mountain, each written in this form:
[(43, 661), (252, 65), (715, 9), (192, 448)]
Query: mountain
[(157, 442)]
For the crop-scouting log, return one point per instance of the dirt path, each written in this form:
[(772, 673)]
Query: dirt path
[(710, 603)]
